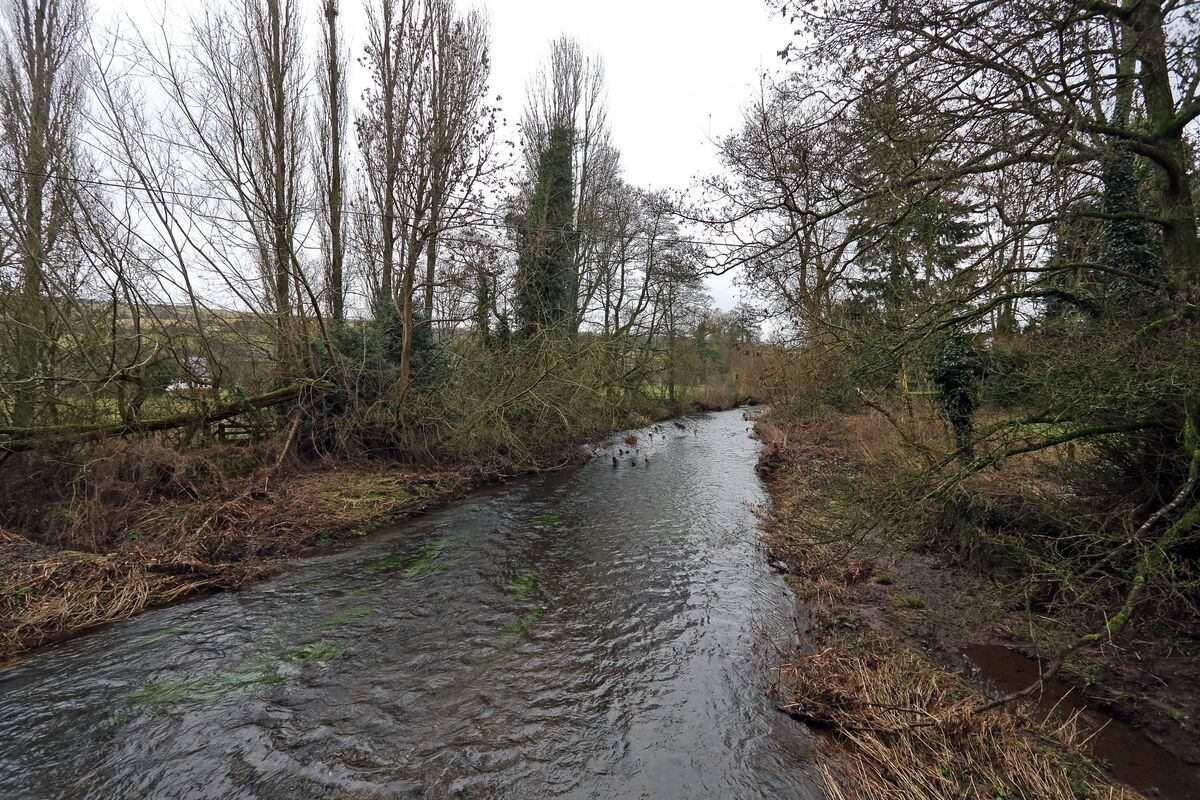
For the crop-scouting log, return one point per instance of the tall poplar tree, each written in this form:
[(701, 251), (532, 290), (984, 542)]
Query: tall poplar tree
[(41, 76)]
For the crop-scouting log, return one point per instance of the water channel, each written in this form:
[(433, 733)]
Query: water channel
[(598, 632)]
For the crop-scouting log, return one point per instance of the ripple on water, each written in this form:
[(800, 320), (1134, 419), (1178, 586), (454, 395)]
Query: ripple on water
[(589, 633)]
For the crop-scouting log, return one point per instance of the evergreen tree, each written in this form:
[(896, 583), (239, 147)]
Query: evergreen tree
[(917, 245), (1070, 290), (546, 278), (915, 235)]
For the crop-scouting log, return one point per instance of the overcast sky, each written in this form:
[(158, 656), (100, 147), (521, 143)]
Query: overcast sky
[(679, 74), (679, 71)]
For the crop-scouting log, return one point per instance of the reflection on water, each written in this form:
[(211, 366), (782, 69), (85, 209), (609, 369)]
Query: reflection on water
[(591, 633)]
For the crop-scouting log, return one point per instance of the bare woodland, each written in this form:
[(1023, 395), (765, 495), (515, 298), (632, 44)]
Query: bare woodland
[(969, 230), (199, 213)]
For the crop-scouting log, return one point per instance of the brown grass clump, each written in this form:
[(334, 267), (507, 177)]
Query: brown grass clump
[(181, 545), (46, 593), (258, 518), (906, 729)]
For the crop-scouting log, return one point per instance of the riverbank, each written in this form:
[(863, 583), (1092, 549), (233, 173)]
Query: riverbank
[(890, 621), (167, 526), (177, 549)]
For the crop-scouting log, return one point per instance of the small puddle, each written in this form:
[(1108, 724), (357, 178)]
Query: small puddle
[(1135, 760)]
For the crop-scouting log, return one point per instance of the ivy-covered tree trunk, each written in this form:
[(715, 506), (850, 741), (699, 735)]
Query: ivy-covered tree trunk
[(954, 373), (546, 279), (1130, 245), (483, 308)]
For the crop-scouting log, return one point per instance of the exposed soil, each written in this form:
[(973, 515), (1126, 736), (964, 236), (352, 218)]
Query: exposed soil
[(930, 603)]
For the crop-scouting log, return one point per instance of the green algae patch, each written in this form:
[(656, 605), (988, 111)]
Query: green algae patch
[(255, 674), (433, 567), (345, 617), (523, 584), (316, 652), (548, 520), (386, 563), (531, 616), (166, 633), (427, 561)]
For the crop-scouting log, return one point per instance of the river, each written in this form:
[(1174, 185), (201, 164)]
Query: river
[(598, 632)]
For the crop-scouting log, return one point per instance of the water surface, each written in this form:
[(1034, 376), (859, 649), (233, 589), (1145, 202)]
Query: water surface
[(1133, 758), (593, 633)]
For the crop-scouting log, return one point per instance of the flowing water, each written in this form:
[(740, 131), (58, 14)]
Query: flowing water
[(597, 632)]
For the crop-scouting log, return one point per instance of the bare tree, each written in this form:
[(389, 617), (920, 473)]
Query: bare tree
[(460, 124), (383, 126), (237, 115), (427, 134), (331, 139), (40, 101)]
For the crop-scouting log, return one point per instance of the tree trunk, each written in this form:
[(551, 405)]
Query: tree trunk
[(1181, 247), (281, 245), (337, 292)]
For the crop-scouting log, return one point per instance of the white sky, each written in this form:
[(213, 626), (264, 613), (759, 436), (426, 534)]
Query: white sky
[(679, 71), (679, 74)]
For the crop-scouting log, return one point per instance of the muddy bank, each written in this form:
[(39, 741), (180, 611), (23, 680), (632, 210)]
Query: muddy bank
[(866, 595), (186, 524), (179, 549)]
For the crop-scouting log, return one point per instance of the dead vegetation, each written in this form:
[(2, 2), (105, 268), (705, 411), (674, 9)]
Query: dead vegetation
[(893, 598), (140, 525), (46, 593), (906, 728)]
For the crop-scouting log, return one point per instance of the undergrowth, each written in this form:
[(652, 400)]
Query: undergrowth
[(851, 492)]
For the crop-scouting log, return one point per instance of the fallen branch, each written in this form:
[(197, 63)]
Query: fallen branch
[(29, 438)]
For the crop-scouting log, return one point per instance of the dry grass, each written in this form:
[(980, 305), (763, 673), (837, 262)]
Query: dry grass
[(906, 729), (176, 548), (262, 518), (903, 727), (806, 465), (46, 594)]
